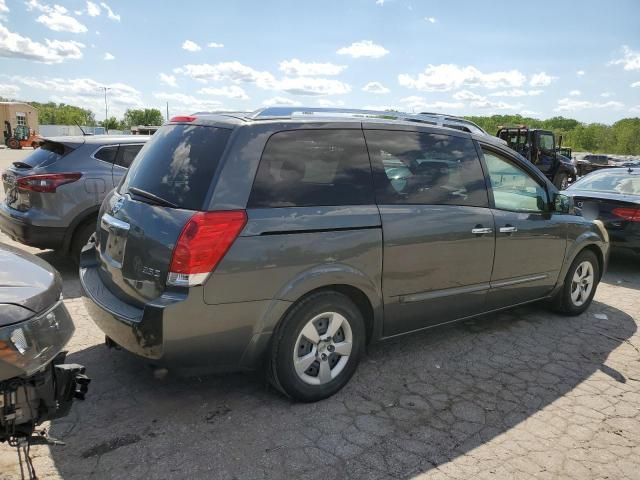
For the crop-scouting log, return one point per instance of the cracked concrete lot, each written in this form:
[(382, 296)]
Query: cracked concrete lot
[(516, 395)]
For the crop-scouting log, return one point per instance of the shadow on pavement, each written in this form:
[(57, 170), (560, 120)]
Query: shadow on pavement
[(67, 268), (413, 404), (623, 271)]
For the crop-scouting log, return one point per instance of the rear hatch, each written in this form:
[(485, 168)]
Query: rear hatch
[(140, 222), (49, 153)]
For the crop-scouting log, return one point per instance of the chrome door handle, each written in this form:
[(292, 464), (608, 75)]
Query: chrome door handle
[(508, 229), (481, 230)]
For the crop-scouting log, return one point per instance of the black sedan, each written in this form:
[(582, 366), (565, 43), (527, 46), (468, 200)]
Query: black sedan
[(35, 383), (613, 196)]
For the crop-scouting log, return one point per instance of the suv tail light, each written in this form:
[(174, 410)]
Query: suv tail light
[(204, 241), (631, 214), (46, 183)]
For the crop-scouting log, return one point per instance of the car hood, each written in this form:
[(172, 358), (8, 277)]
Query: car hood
[(27, 280)]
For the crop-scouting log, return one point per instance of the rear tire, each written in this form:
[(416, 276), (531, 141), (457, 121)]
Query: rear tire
[(561, 181), (308, 363), (13, 144), (80, 238), (580, 285)]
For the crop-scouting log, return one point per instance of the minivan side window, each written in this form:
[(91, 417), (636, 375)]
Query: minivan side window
[(126, 154), (304, 168), (107, 154), (426, 169), (513, 188)]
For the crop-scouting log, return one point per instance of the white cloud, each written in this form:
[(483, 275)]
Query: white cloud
[(326, 103), (575, 93), (191, 46), (238, 73), (181, 101), (215, 45), (419, 104), (56, 17), (86, 92), (630, 59), (516, 92), (168, 80), (14, 45), (380, 2), (541, 80), (467, 95), (375, 87), (430, 19), (447, 77), (635, 84), (606, 94), (93, 10), (9, 91), (312, 86), (280, 102), (530, 113), (364, 48), (569, 105), (580, 73), (635, 109), (3, 7), (232, 91), (110, 13), (298, 68), (108, 56)]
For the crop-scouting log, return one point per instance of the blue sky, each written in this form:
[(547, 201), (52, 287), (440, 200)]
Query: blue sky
[(542, 58)]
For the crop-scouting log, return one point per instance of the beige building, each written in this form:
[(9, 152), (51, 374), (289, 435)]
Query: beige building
[(17, 114)]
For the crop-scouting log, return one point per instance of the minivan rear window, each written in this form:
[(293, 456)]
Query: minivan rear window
[(178, 164), (308, 168), (48, 153)]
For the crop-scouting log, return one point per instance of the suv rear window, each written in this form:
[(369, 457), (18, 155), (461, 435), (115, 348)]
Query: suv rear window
[(305, 168), (178, 164), (46, 154)]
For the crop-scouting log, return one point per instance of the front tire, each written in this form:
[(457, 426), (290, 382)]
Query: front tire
[(317, 347), (580, 285)]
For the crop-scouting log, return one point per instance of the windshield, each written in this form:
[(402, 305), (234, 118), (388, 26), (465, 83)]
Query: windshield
[(622, 182), (177, 165)]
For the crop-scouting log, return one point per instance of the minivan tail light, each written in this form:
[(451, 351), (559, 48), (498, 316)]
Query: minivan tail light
[(203, 242), (46, 183), (631, 214)]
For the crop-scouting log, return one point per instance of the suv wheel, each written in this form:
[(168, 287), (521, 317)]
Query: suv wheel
[(317, 347), (561, 181), (579, 285)]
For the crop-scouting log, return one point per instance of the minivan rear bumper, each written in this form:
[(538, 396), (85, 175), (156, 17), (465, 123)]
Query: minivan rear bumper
[(178, 329), (20, 229)]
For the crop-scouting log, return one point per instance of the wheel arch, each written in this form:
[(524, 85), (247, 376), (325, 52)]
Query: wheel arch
[(78, 221)]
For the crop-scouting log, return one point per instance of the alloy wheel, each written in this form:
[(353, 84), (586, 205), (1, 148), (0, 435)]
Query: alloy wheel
[(582, 283)]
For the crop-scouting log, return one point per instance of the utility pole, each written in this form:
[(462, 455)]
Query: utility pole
[(106, 108), (167, 112)]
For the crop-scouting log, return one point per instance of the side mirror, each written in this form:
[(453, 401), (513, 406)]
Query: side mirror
[(563, 203)]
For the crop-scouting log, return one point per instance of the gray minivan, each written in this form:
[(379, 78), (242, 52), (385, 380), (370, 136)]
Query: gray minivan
[(52, 197), (289, 240)]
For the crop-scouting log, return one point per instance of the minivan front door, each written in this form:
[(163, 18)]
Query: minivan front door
[(438, 230), (530, 244)]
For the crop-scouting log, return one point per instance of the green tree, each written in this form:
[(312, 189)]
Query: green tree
[(112, 123), (62, 114), (147, 116)]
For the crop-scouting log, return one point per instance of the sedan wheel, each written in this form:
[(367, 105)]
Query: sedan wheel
[(579, 286)]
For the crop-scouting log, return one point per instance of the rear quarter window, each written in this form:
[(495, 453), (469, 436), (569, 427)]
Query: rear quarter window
[(303, 168), (178, 164)]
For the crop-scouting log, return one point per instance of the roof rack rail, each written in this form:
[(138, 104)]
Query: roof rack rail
[(426, 117)]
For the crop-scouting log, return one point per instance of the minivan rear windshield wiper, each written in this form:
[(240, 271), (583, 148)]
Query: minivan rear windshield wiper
[(150, 196)]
